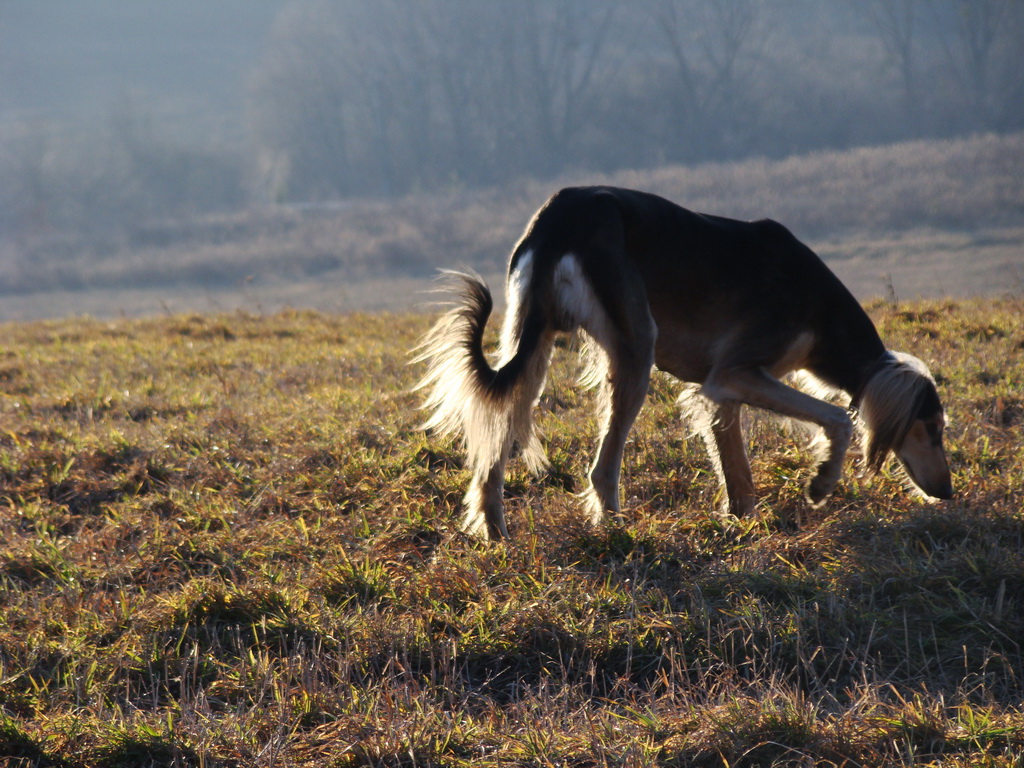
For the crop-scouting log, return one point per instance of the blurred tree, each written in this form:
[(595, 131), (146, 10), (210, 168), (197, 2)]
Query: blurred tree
[(105, 181), (713, 46), (385, 98), (388, 97), (299, 109), (983, 41), (896, 23)]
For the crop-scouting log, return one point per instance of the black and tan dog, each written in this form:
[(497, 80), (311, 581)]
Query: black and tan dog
[(727, 306)]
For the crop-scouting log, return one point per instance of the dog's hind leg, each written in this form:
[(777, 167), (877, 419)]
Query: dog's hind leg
[(484, 514), (623, 333), (629, 357), (629, 371)]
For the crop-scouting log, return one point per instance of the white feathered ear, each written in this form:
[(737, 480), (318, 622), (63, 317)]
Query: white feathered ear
[(893, 398)]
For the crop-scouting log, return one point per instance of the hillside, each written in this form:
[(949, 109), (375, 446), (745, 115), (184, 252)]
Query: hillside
[(225, 541), (920, 219)]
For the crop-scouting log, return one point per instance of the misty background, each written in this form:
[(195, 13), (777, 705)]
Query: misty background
[(251, 145)]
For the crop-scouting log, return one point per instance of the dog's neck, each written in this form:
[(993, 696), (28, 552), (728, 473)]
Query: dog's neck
[(868, 373)]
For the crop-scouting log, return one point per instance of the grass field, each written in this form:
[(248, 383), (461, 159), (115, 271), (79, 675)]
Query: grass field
[(224, 541)]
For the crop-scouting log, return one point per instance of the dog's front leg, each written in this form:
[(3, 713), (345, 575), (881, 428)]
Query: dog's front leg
[(725, 442), (758, 388)]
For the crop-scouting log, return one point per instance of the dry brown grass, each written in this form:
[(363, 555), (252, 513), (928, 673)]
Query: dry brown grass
[(224, 541)]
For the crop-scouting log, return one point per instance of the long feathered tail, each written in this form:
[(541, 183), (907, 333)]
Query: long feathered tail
[(488, 408)]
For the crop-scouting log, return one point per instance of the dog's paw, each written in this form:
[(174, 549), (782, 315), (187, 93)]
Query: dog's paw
[(819, 489)]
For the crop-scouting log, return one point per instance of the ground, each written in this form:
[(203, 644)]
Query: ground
[(225, 540)]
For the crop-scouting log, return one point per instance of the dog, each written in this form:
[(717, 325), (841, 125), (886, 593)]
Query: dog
[(727, 307)]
